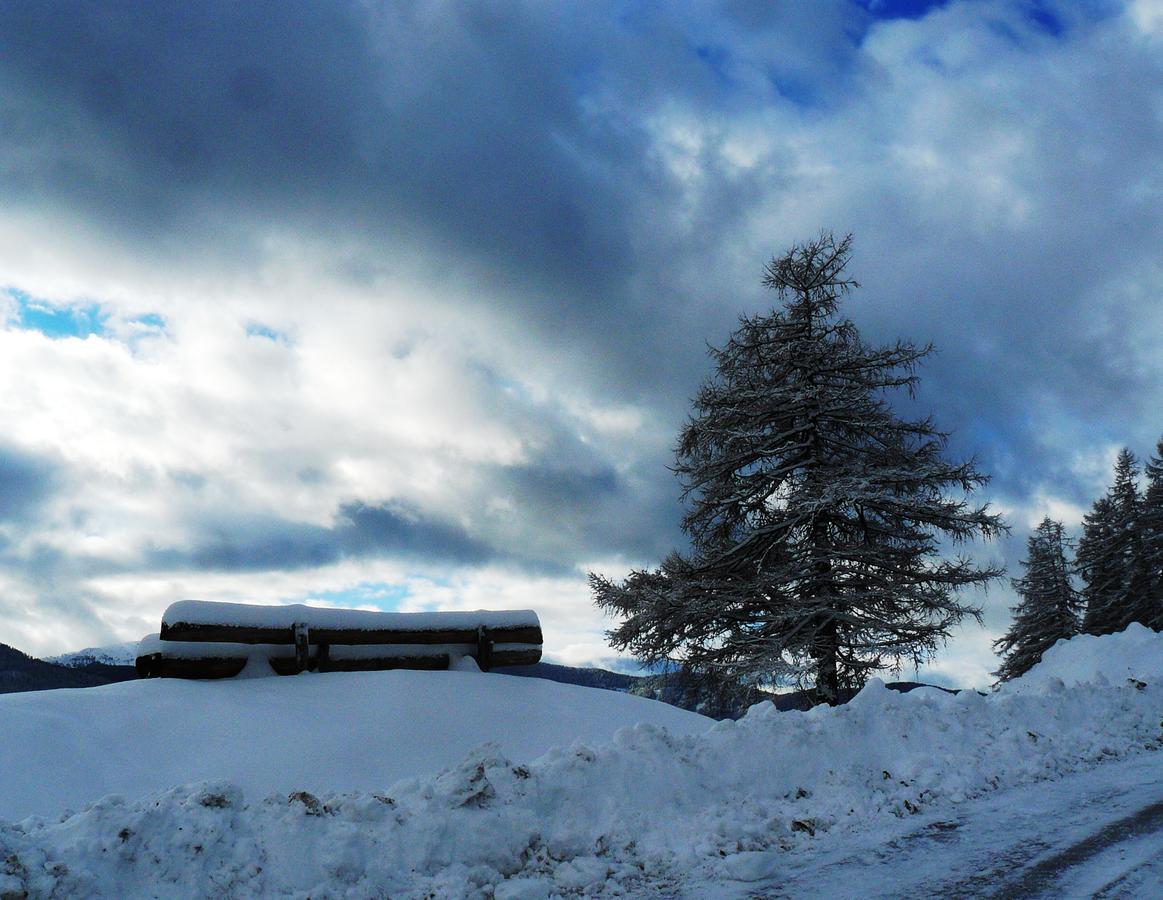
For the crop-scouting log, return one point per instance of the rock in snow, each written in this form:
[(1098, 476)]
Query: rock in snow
[(292, 787)]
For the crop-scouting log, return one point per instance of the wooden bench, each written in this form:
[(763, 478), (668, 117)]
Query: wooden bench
[(216, 640)]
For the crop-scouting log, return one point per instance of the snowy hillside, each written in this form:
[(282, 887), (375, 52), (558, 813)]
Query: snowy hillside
[(279, 787)]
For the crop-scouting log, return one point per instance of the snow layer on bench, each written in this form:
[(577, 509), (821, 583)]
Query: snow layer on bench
[(204, 612)]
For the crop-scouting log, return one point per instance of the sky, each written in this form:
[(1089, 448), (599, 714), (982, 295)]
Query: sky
[(402, 305)]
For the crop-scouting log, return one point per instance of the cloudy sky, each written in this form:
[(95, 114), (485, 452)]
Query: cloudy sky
[(402, 304)]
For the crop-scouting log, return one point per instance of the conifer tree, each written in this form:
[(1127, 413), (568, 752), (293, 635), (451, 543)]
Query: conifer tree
[(1147, 577), (1049, 606), (814, 512), (1098, 565), (1107, 552)]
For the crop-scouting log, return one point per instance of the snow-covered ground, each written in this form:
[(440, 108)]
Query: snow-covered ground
[(289, 787), (342, 731)]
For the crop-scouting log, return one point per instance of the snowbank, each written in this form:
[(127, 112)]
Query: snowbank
[(1132, 655), (337, 731), (651, 811)]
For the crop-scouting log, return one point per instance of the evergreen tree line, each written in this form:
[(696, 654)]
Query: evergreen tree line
[(1119, 562)]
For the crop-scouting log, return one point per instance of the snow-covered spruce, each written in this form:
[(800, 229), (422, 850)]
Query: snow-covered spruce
[(1107, 554), (1049, 607), (645, 811)]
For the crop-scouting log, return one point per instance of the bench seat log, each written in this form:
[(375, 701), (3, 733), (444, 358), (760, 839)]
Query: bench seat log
[(215, 640), (158, 665)]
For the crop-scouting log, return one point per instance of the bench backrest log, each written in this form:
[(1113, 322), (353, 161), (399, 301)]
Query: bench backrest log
[(215, 640)]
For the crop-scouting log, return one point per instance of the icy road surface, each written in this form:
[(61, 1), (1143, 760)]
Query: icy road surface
[(1096, 833)]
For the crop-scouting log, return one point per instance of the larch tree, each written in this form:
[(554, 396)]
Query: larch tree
[(1048, 608), (816, 515), (1107, 552)]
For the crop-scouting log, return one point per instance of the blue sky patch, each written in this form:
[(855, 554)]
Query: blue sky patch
[(718, 59), (796, 90), (258, 329), (151, 321), (387, 597), (55, 321), (1045, 19), (900, 9)]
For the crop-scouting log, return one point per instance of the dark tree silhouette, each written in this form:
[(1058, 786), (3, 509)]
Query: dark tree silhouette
[(1147, 570), (1107, 552), (1049, 606), (814, 511)]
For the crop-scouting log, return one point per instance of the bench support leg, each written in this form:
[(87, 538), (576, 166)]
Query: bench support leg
[(302, 654), (484, 650)]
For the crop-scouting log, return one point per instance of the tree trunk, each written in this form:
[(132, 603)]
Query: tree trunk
[(827, 671)]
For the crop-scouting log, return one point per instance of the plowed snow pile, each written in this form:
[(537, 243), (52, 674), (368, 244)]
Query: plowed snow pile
[(654, 809)]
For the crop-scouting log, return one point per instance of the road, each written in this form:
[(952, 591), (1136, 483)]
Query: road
[(1095, 833)]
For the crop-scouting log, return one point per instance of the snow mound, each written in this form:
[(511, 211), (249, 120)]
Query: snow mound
[(320, 732), (1133, 655), (651, 810)]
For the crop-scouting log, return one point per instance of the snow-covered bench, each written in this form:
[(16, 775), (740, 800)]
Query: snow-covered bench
[(216, 640)]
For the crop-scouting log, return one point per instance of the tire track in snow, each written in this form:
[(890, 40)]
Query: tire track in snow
[(1043, 876)]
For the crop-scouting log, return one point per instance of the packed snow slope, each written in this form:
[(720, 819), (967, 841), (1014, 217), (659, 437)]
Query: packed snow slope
[(676, 810), (349, 731)]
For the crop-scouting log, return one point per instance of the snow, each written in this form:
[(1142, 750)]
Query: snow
[(1131, 655), (1044, 839), (357, 731), (459, 783), (200, 612)]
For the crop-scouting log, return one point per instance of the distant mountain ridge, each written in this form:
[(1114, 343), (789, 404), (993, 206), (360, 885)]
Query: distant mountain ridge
[(587, 677), (20, 672), (113, 655)]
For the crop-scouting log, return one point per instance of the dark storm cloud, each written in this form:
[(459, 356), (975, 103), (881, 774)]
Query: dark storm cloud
[(26, 482), (507, 139), (446, 123), (254, 544), (573, 512), (397, 530), (564, 504)]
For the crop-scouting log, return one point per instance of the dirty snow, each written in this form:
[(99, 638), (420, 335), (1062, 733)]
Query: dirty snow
[(680, 809)]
